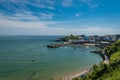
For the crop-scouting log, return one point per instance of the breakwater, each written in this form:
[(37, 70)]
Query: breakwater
[(56, 45)]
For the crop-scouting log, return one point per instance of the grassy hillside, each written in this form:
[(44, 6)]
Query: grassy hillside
[(109, 71)]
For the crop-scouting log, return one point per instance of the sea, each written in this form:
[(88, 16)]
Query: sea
[(28, 58)]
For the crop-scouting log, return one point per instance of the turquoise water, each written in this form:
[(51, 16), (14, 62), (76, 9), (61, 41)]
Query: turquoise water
[(17, 53)]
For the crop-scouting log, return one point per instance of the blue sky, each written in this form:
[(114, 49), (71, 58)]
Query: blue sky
[(59, 17)]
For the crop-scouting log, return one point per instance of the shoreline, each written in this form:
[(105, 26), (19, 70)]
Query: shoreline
[(77, 74)]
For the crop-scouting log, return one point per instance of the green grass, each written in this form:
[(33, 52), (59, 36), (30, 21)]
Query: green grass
[(115, 57)]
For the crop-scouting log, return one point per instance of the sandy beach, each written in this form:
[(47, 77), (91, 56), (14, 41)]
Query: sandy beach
[(88, 44), (77, 74)]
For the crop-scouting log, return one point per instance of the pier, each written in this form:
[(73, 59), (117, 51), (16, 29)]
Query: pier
[(56, 45)]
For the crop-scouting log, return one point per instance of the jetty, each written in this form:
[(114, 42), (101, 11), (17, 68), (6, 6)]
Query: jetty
[(54, 45), (57, 45)]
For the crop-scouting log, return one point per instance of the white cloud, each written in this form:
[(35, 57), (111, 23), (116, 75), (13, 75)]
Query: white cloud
[(11, 23), (67, 3), (78, 14), (93, 6), (23, 3), (98, 30), (32, 21), (26, 17), (43, 28), (90, 3), (20, 5), (19, 10), (46, 16)]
